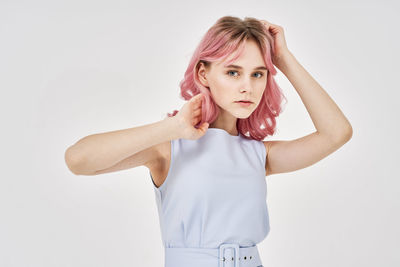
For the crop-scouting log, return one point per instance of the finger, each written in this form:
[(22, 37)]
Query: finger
[(267, 26), (197, 104), (201, 98), (198, 117), (197, 112), (203, 128), (196, 120), (268, 23), (270, 26), (197, 97)]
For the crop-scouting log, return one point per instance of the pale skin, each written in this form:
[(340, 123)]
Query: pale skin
[(149, 145)]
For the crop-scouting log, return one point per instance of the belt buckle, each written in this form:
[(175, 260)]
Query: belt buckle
[(222, 247)]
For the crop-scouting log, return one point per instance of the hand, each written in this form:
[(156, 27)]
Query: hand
[(189, 116), (279, 45)]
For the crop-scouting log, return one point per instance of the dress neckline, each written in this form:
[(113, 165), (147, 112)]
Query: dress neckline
[(222, 131)]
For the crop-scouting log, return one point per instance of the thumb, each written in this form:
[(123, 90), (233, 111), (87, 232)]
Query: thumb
[(204, 127), (194, 98)]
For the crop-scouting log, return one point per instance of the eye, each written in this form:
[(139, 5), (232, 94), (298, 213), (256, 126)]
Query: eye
[(229, 71), (261, 74), (233, 71)]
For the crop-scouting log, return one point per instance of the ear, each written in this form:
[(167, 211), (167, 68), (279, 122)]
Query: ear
[(202, 74)]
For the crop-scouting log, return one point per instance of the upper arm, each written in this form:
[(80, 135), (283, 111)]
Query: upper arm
[(290, 155), (145, 157)]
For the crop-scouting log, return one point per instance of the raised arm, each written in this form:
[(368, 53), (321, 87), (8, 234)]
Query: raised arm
[(104, 150), (128, 148), (332, 128)]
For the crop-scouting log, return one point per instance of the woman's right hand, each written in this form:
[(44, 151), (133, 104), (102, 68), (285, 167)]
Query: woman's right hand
[(189, 116)]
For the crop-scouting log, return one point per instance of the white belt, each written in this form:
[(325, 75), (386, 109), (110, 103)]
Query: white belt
[(226, 255)]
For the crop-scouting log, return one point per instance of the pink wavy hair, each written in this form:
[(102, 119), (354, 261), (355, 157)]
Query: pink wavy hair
[(226, 36)]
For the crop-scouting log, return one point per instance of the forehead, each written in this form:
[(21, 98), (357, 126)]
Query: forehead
[(250, 58)]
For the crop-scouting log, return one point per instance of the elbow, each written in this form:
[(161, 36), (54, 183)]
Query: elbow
[(349, 133), (73, 161), (345, 135), (341, 135)]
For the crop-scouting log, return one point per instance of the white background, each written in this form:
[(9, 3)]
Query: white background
[(69, 69)]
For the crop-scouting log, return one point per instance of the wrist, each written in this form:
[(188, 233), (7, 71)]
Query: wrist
[(284, 60), (171, 127)]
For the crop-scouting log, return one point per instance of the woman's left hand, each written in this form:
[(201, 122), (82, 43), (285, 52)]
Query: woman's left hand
[(280, 47)]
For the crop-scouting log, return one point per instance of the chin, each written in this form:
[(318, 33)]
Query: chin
[(242, 115)]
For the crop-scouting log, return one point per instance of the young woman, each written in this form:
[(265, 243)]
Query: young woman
[(208, 161)]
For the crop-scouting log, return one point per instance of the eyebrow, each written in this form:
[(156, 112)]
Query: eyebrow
[(239, 67)]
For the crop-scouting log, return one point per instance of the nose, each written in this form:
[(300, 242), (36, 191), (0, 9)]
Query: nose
[(246, 85)]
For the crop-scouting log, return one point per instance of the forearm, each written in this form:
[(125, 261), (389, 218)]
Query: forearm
[(103, 150), (328, 119)]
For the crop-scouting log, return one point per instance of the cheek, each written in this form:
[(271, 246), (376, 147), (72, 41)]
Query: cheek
[(261, 87), (222, 88), (223, 82), (258, 93)]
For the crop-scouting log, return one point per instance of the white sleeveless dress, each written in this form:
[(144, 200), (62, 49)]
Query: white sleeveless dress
[(214, 194)]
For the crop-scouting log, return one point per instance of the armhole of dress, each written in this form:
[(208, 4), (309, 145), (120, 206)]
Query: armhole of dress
[(169, 169), (264, 154)]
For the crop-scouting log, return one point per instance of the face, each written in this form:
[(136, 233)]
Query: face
[(241, 82)]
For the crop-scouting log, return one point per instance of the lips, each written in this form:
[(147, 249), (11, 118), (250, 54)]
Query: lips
[(244, 101)]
